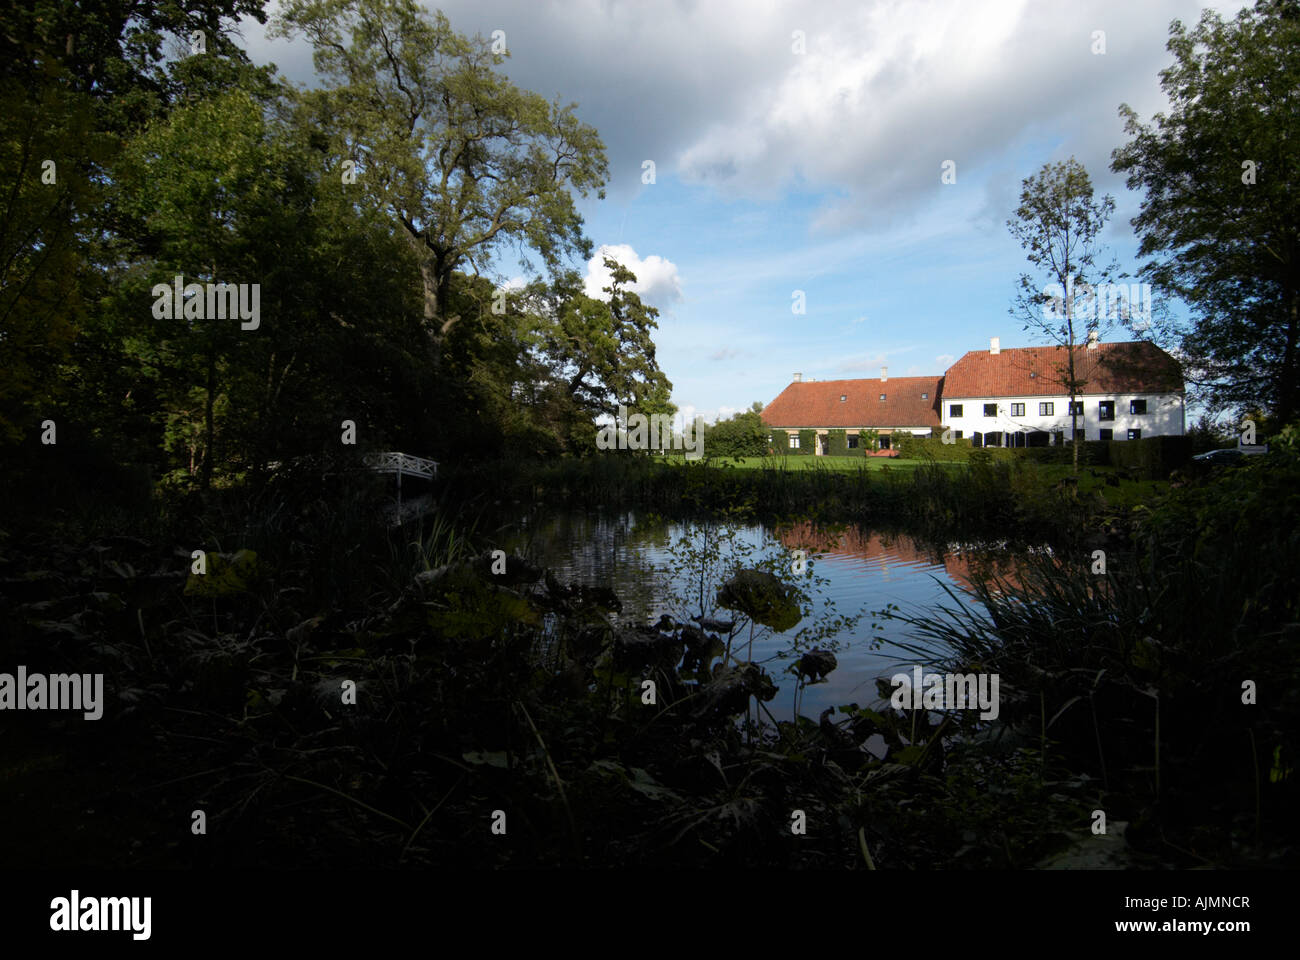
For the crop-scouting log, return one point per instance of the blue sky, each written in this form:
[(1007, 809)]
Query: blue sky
[(820, 171)]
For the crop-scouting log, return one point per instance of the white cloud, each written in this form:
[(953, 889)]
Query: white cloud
[(657, 280), (945, 359)]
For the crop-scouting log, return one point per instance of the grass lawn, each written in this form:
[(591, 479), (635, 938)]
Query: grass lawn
[(1128, 493), (812, 463)]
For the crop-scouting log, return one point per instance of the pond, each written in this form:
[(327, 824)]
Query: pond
[(664, 567)]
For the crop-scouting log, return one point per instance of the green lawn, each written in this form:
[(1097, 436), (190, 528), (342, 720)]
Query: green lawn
[(1091, 479), (812, 463)]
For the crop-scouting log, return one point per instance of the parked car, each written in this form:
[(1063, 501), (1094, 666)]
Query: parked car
[(1226, 455)]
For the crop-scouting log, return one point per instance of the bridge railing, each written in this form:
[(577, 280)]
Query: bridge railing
[(402, 463)]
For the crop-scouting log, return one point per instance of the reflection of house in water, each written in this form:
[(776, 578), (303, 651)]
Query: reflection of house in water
[(961, 562)]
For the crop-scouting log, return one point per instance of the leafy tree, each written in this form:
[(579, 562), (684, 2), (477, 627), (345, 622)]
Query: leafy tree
[(1221, 215), (743, 435), (1058, 223), (601, 351), (461, 158), (48, 144), (112, 51)]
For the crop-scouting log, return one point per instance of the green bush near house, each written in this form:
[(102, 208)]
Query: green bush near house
[(807, 443), (868, 441), (1152, 458), (931, 448), (837, 444)]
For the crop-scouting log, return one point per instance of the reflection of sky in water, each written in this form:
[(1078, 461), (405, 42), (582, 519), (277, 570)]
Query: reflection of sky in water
[(865, 571)]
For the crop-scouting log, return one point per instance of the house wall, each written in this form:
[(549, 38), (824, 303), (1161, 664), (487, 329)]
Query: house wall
[(823, 431), (1165, 416)]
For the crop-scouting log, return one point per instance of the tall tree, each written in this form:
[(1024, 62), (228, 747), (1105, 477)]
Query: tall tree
[(461, 158), (1058, 223), (602, 350), (1221, 215)]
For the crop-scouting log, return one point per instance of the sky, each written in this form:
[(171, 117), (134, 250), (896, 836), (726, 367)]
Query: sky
[(800, 148)]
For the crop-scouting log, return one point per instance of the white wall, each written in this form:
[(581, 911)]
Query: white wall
[(1164, 416)]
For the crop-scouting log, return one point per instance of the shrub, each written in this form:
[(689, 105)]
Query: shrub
[(1152, 458)]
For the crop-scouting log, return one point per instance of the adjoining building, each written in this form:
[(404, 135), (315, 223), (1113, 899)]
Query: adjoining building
[(885, 406), (1004, 398)]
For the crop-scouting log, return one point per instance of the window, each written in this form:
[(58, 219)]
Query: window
[(954, 409), (1107, 434), (1106, 410), (882, 396), (1017, 409), (990, 409), (769, 439), (794, 441), (843, 397), (853, 441), (956, 434), (1046, 409), (1135, 434), (1076, 407), (1137, 406), (977, 439), (925, 396)]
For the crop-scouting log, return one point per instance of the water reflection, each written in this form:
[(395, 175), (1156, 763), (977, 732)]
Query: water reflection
[(864, 571)]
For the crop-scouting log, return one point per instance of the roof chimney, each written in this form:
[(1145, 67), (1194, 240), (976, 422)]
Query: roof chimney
[(1093, 339), (798, 378), (884, 374), (995, 345)]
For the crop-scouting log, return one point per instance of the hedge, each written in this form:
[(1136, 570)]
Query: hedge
[(837, 444), (1152, 458), (807, 443), (912, 447)]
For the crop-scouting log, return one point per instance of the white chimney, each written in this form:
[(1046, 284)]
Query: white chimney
[(995, 345), (798, 378), (1093, 339), (884, 374)]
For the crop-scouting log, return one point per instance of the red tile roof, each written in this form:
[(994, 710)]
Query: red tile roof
[(818, 404), (1135, 367)]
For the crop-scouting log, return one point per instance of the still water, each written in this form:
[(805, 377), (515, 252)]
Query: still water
[(657, 567)]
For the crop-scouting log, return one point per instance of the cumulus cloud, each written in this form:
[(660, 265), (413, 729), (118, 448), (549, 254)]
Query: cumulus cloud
[(884, 94), (657, 281)]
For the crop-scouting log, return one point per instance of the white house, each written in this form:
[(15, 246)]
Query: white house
[(1006, 398), (1018, 397)]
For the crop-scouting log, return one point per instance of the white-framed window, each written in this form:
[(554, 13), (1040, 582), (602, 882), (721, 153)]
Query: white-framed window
[(1076, 407), (1105, 409), (1017, 409), (1046, 409), (954, 409), (794, 441), (990, 409)]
